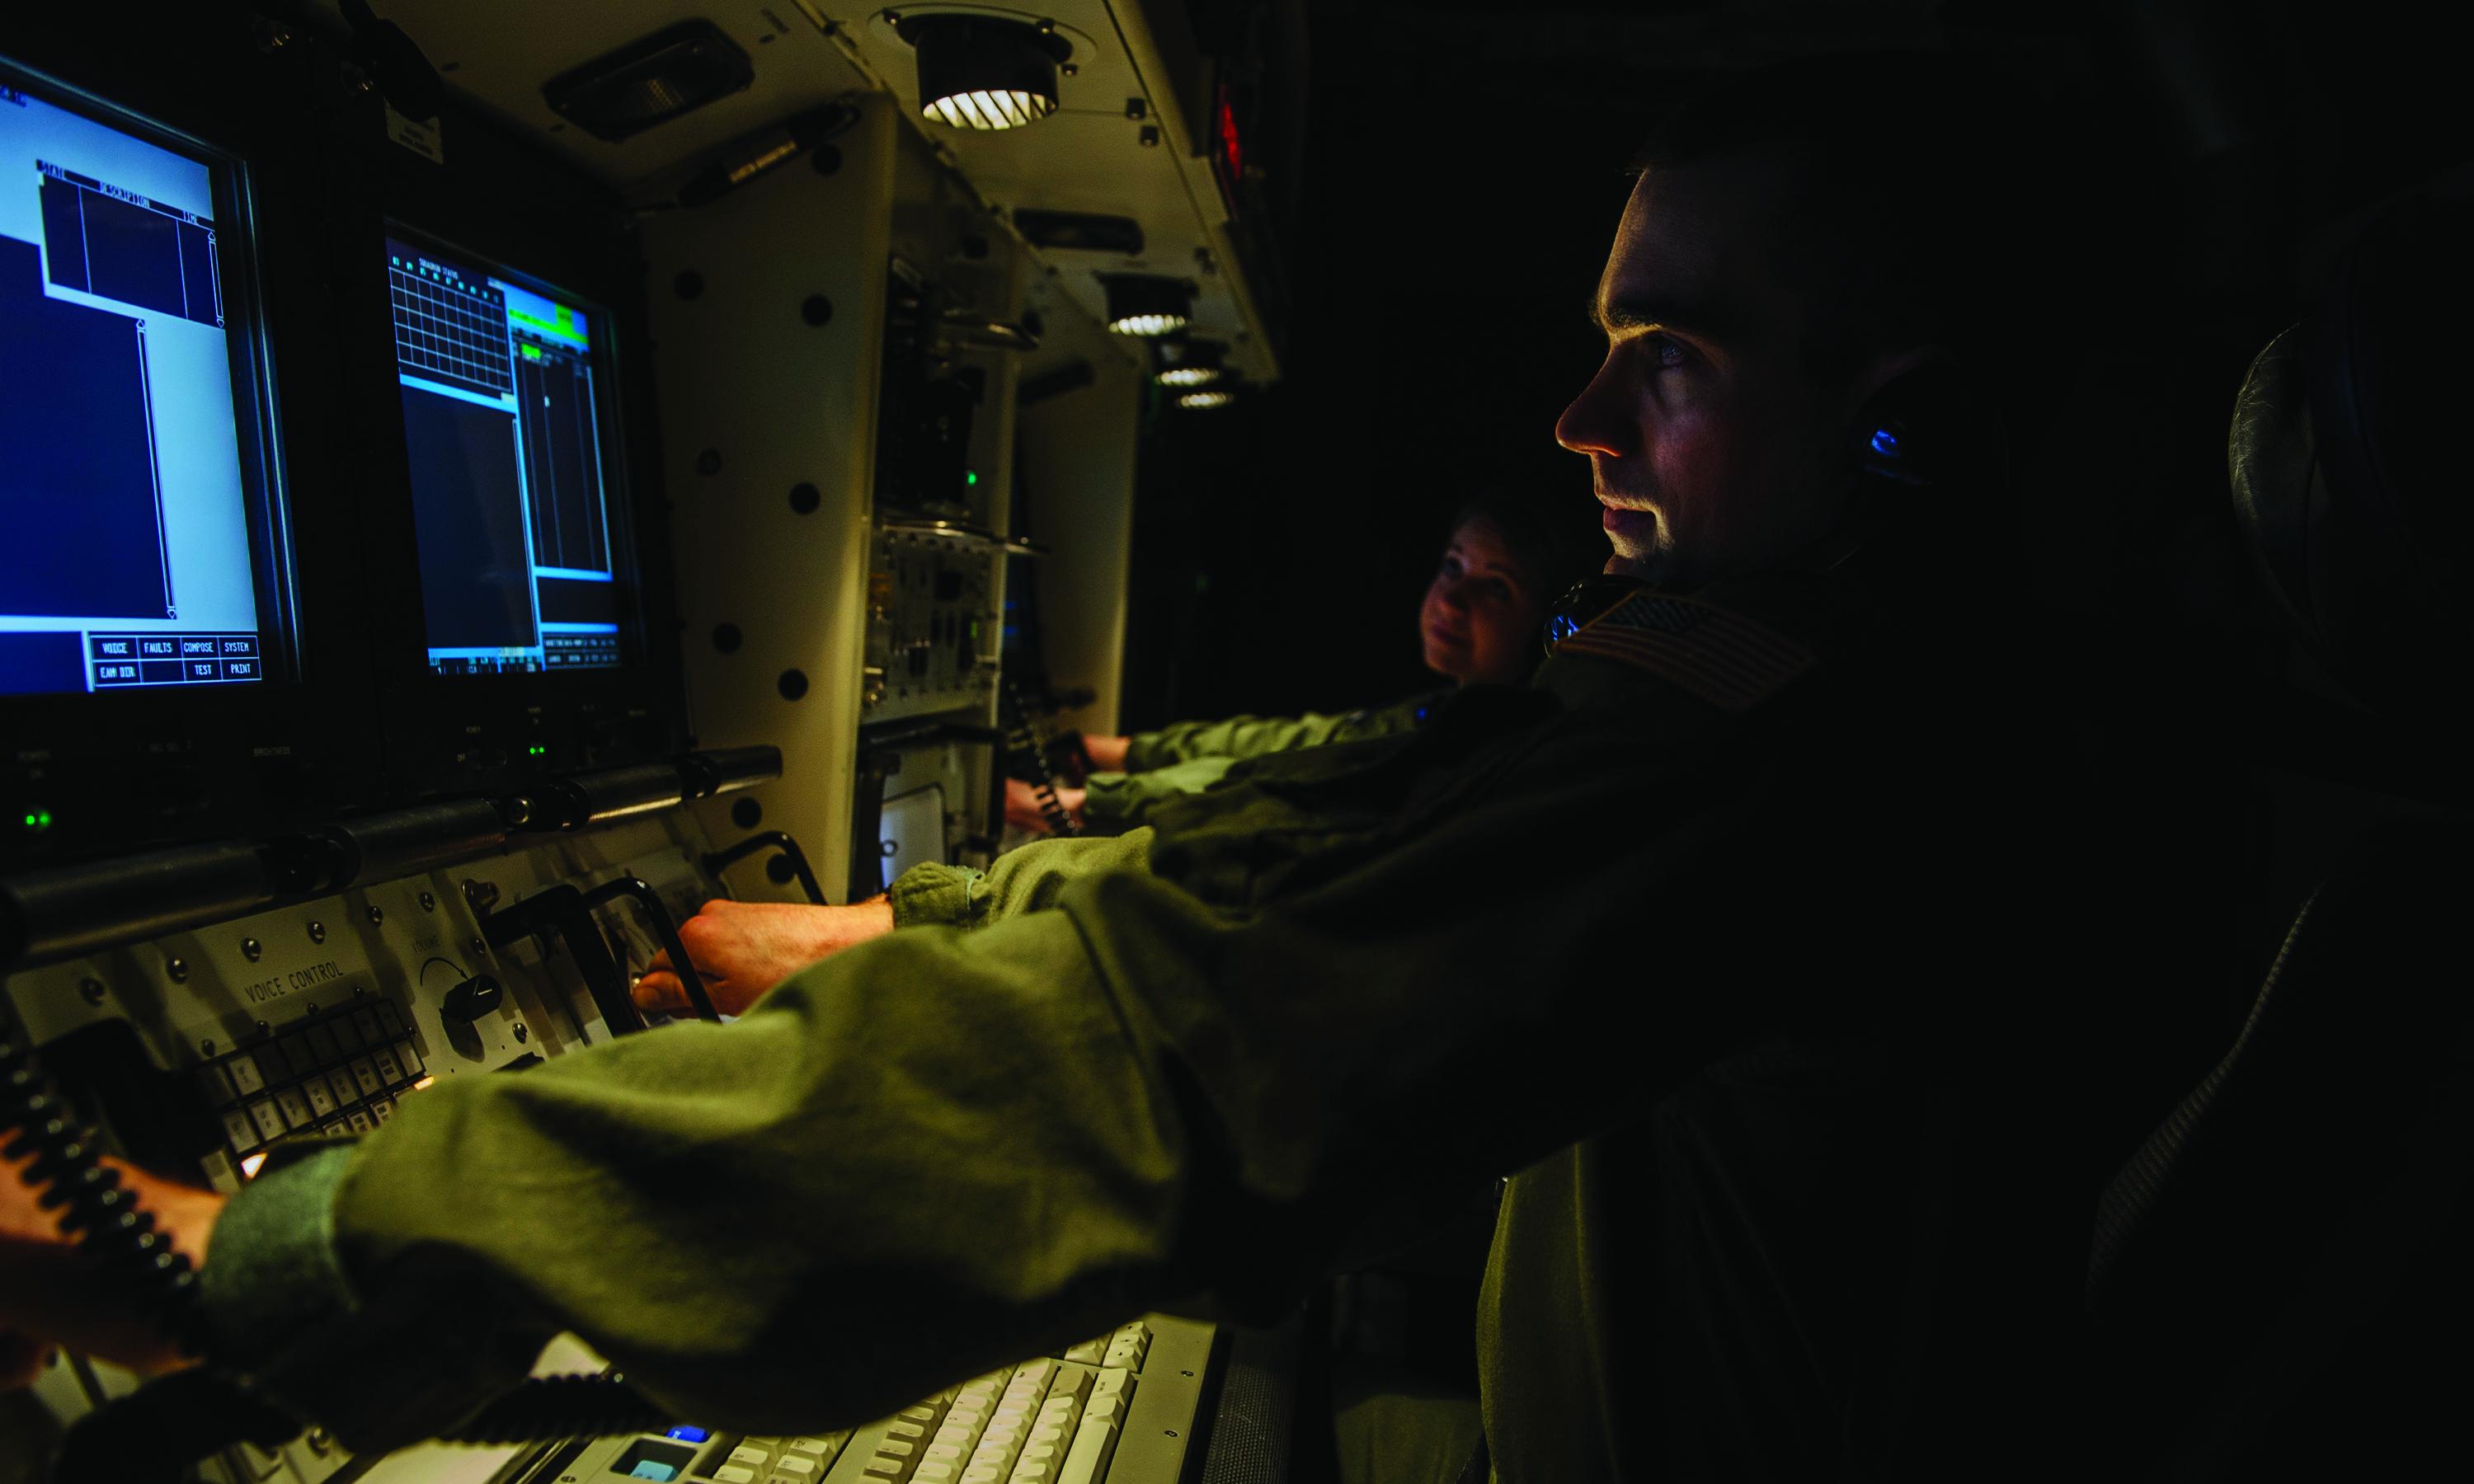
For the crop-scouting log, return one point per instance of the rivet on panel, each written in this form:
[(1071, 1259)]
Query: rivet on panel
[(317, 932), (805, 497), (178, 969), (746, 812), (726, 638), (250, 949), (793, 685), (816, 309)]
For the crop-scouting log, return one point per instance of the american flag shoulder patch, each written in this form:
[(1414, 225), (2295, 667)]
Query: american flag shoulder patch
[(1723, 658)]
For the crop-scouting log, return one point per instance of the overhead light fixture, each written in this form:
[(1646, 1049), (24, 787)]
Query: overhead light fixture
[(1191, 362), (983, 71), (1147, 305), (1219, 394)]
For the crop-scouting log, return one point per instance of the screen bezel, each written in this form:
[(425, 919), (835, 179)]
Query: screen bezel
[(495, 194), (609, 431), (250, 351)]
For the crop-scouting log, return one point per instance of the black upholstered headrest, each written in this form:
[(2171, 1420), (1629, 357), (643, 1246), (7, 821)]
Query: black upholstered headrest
[(2353, 468)]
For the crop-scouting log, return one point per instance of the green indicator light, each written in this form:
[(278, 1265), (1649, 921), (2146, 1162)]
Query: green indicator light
[(970, 476), (533, 352), (38, 820)]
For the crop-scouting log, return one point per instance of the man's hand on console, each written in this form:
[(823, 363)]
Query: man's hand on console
[(743, 948), (51, 1296), (1108, 754)]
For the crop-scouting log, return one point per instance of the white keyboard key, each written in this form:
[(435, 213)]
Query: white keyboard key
[(1113, 1382), (796, 1467), (1036, 1368), (918, 1414), (896, 1448), (1045, 1435), (752, 1457), (1074, 1381), (956, 1433), (1089, 1460), (732, 1473), (1088, 1352), (904, 1427), (943, 1453), (883, 1467), (1104, 1409), (982, 1474), (1031, 1472), (815, 1446), (936, 1471)]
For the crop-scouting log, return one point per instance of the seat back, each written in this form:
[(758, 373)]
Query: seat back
[(2270, 1266)]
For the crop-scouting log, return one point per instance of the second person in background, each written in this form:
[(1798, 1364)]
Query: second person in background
[(1509, 555)]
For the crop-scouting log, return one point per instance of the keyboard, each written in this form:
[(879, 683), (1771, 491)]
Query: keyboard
[(1120, 1409)]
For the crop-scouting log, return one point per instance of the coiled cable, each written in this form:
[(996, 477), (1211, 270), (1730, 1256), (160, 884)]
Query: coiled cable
[(1023, 739), (175, 1421)]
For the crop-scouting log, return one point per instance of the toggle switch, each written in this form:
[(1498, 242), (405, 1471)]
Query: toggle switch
[(473, 999)]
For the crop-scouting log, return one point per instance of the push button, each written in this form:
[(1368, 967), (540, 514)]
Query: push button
[(267, 1117), (296, 1108)]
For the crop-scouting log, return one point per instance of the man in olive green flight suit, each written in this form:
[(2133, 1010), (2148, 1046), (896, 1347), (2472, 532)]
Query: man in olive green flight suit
[(1731, 941)]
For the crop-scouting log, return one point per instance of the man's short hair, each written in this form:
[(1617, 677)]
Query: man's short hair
[(1914, 188)]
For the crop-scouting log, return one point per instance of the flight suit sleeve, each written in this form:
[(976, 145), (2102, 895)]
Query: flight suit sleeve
[(1026, 879), (1256, 737), (1114, 803), (946, 1149)]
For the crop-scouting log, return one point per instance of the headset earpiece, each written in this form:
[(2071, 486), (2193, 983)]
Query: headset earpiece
[(1888, 441)]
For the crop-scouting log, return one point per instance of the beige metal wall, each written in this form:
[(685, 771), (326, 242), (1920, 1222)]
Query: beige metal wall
[(1078, 452), (757, 400)]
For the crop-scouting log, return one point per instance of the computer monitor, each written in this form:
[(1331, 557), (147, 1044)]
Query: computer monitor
[(130, 457), (509, 419)]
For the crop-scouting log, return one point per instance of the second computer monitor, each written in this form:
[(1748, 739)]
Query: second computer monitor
[(509, 417)]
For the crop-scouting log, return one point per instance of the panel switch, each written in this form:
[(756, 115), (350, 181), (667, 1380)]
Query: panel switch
[(473, 999)]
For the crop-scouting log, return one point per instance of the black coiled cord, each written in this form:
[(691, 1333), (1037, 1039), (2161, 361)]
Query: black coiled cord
[(175, 1421), (1023, 739), (99, 1212)]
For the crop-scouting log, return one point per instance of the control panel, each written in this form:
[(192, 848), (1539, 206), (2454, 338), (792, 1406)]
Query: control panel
[(932, 621), (207, 1047)]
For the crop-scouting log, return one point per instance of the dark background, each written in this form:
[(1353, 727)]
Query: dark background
[(1439, 219)]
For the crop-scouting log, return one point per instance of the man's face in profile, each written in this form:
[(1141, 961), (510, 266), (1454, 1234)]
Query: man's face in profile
[(1712, 445)]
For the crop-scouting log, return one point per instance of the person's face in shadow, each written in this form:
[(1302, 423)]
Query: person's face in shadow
[(1714, 446), (1482, 611)]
